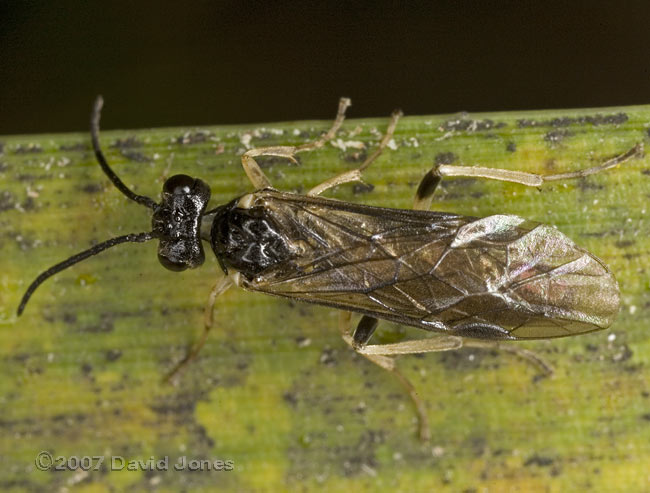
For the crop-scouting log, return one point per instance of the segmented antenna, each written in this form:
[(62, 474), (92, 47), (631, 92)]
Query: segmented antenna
[(94, 135), (100, 247)]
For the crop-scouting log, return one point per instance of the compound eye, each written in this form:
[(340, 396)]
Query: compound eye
[(167, 263), (179, 185)]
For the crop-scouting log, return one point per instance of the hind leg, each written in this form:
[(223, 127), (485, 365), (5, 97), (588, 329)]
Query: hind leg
[(431, 180), (383, 355), (544, 367)]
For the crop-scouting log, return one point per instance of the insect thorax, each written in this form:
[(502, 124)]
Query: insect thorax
[(248, 240)]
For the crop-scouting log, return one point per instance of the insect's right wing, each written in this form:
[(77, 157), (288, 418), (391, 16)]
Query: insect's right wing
[(499, 277)]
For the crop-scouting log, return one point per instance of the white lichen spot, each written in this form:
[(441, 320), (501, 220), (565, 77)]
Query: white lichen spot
[(595, 202), (413, 141), (437, 451), (611, 337), (304, 342), (78, 476), (296, 132), (47, 164), (64, 161), (31, 193), (355, 131), (245, 140), (392, 145), (446, 136), (632, 309), (352, 144)]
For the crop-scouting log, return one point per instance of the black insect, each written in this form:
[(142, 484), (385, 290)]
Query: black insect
[(470, 280)]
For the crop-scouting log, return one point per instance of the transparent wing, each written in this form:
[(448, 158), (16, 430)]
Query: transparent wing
[(499, 277)]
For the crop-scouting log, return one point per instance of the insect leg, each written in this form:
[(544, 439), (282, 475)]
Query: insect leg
[(208, 319), (525, 354), (364, 331), (416, 346), (355, 174), (382, 355), (432, 178), (255, 173)]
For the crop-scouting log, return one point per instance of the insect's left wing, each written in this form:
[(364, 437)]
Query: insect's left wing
[(496, 277)]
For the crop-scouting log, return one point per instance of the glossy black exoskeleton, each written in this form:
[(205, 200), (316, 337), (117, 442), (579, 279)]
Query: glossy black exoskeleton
[(247, 240), (176, 222)]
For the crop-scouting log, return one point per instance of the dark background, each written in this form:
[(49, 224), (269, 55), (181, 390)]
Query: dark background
[(174, 63)]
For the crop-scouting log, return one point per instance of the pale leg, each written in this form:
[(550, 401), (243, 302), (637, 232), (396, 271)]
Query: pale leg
[(429, 183), (382, 356), (511, 347), (355, 174), (208, 320), (255, 173)]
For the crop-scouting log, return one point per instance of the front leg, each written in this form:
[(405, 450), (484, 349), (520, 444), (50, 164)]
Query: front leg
[(255, 173), (355, 174), (219, 288)]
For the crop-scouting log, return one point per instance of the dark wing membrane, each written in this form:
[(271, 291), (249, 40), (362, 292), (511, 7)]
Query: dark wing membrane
[(495, 277)]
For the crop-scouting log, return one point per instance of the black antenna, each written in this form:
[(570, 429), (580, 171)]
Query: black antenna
[(94, 135), (100, 247)]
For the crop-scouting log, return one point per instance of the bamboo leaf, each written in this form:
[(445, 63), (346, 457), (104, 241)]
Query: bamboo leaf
[(275, 390)]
